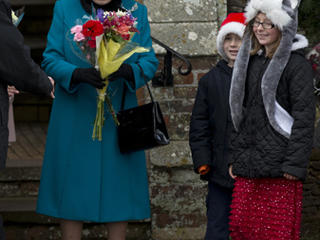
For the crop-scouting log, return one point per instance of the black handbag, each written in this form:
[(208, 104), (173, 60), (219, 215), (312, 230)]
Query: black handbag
[(141, 127)]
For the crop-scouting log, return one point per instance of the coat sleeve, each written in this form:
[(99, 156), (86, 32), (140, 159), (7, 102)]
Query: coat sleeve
[(54, 62), (16, 66), (200, 136), (148, 60), (303, 112)]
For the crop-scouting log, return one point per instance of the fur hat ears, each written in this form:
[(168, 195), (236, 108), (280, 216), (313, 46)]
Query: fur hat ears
[(280, 12), (234, 23)]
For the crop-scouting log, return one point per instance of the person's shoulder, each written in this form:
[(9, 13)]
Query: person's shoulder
[(4, 3), (298, 68), (298, 60), (140, 8), (4, 6), (67, 3), (211, 75), (134, 6)]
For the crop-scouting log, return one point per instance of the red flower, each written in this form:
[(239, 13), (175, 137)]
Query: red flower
[(92, 28), (92, 43), (122, 29), (314, 66), (125, 37)]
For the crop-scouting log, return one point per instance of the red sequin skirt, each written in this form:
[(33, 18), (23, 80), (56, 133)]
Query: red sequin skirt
[(266, 209)]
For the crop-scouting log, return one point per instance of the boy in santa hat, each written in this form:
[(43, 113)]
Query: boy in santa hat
[(211, 125)]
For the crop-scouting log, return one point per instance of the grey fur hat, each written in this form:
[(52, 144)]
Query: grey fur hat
[(284, 14)]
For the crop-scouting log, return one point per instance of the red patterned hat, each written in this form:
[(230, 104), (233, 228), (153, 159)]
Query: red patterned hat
[(234, 23)]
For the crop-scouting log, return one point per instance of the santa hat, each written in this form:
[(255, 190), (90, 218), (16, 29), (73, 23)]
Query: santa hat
[(284, 14), (234, 23)]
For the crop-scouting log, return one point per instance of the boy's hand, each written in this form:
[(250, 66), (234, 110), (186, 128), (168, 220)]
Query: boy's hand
[(204, 169)]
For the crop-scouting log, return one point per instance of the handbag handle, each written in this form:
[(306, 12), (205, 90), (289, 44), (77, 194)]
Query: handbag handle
[(125, 88)]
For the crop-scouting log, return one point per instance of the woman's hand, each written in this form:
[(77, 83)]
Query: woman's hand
[(230, 172), (12, 91), (87, 75), (289, 177), (125, 71)]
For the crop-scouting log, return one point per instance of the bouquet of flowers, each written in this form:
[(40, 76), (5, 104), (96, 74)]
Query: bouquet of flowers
[(106, 44)]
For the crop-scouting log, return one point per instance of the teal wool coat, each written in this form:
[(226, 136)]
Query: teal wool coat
[(84, 179)]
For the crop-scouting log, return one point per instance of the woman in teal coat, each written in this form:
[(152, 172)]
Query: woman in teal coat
[(83, 179)]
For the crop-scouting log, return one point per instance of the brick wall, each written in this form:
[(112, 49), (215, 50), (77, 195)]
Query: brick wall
[(176, 193)]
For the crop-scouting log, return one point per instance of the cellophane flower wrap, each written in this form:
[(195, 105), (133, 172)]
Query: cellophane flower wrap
[(106, 44)]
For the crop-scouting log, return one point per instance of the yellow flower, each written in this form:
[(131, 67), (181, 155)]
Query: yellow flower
[(14, 17)]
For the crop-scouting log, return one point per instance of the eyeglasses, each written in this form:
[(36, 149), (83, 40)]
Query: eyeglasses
[(265, 25)]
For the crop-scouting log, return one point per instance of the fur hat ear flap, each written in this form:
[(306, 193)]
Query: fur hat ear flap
[(239, 75), (294, 3)]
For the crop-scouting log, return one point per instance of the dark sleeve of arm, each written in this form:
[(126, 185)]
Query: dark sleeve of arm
[(303, 112), (200, 133), (16, 65)]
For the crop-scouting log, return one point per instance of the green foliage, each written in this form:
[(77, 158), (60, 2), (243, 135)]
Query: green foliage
[(309, 20)]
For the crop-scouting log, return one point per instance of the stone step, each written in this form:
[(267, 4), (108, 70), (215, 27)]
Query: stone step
[(17, 205), (28, 150), (20, 174), (22, 222)]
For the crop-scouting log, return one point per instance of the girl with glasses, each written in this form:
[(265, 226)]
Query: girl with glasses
[(272, 109)]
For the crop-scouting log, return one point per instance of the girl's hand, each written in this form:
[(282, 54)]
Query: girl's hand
[(289, 177), (12, 91), (230, 172)]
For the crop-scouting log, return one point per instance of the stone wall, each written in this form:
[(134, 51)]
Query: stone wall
[(176, 192), (177, 195)]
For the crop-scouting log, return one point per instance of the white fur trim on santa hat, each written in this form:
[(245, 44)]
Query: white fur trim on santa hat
[(232, 27), (272, 9)]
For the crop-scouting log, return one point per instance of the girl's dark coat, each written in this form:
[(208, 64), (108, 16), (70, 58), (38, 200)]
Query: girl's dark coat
[(257, 149)]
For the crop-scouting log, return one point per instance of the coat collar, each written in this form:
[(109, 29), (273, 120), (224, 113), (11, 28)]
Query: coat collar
[(130, 5), (127, 4)]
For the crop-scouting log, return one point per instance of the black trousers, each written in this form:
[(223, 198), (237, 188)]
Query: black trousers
[(2, 237), (218, 211)]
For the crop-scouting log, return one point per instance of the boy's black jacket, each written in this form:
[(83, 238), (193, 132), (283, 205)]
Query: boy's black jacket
[(211, 124)]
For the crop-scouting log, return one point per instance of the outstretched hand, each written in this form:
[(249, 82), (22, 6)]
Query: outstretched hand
[(12, 91), (52, 91)]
